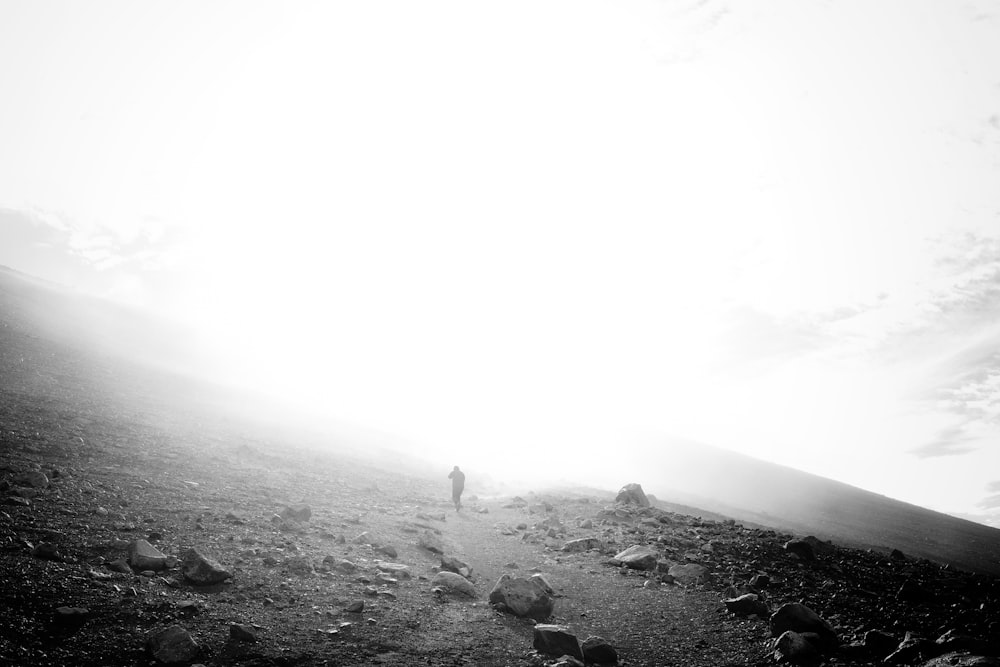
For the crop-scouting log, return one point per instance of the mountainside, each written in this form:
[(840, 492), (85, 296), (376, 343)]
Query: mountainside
[(755, 491), (149, 518)]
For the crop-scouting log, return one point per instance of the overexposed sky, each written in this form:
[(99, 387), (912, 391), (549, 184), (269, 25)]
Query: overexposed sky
[(530, 229)]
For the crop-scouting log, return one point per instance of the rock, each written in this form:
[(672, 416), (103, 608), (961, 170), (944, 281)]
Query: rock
[(879, 643), (454, 583), (596, 650), (689, 574), (568, 661), (962, 660), (638, 557), (747, 605), (201, 570), (912, 649), (431, 541), (172, 645), (800, 548), (33, 478), (71, 617), (242, 633), (582, 544), (46, 551), (539, 579), (355, 607), (452, 564), (299, 565), (760, 581), (632, 494), (897, 555), (556, 640), (953, 641), (587, 524), (913, 591), (395, 569), (144, 556), (298, 513), (800, 619), (794, 648), (340, 565), (388, 550), (119, 565), (522, 597)]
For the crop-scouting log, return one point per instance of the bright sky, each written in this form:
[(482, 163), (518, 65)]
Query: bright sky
[(531, 229)]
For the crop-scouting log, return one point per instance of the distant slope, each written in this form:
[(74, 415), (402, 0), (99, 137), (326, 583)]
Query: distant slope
[(756, 491), (56, 343)]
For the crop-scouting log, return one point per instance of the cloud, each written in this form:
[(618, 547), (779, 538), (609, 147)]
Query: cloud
[(952, 441), (993, 487), (990, 502)]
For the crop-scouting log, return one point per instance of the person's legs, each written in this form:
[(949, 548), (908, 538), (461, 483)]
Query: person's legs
[(456, 497)]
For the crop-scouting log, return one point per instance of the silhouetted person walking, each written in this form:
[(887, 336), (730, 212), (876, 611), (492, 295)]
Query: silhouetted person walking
[(457, 478)]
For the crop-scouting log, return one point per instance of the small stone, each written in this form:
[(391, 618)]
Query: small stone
[(144, 556), (556, 640), (242, 633), (201, 570), (300, 513), (172, 645), (356, 607), (47, 551)]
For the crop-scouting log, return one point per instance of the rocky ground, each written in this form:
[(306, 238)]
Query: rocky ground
[(136, 530)]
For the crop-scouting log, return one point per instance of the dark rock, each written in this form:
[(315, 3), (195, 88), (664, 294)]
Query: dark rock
[(953, 641), (33, 478), (522, 597), (800, 548), (596, 650), (747, 605), (355, 607), (880, 643), (242, 633), (201, 570), (913, 591), (760, 581), (897, 555), (452, 564), (46, 551), (556, 640), (913, 648), (801, 619), (794, 648), (172, 645), (71, 617), (632, 494)]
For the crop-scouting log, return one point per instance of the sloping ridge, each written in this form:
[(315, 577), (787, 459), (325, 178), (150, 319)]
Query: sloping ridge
[(772, 495)]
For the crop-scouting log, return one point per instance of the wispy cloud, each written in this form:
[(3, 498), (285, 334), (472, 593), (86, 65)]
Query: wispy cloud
[(952, 441)]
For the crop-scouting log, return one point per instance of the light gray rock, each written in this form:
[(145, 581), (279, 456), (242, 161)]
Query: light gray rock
[(431, 541), (454, 583), (689, 574), (638, 557), (522, 597), (582, 544), (300, 513), (556, 640), (144, 556), (395, 569)]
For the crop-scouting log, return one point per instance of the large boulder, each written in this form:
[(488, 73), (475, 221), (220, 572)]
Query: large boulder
[(556, 640), (795, 648), (638, 557), (596, 650), (632, 494), (801, 619), (522, 597), (144, 556)]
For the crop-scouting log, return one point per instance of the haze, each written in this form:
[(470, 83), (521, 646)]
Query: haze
[(544, 236)]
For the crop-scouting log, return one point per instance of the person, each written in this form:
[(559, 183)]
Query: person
[(457, 478)]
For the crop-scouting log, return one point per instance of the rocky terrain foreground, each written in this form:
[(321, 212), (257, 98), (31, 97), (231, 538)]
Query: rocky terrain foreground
[(129, 542)]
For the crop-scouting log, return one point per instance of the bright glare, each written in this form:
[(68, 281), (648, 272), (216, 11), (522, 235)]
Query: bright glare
[(522, 233)]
